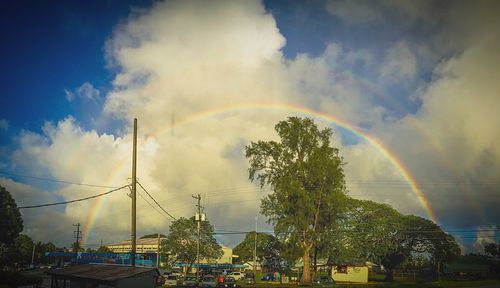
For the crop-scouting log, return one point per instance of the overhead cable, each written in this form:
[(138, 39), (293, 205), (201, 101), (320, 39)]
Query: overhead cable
[(156, 201), (55, 180), (73, 201)]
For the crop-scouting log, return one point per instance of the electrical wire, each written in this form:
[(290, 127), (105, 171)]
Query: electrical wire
[(55, 180), (154, 208), (156, 201), (72, 201)]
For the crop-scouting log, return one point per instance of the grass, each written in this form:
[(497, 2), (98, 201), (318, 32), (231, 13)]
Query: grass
[(437, 284)]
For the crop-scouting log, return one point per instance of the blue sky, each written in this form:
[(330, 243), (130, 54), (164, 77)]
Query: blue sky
[(417, 76)]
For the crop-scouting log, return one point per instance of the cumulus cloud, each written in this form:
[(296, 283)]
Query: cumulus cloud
[(399, 65), (204, 79), (485, 236), (451, 143), (86, 91)]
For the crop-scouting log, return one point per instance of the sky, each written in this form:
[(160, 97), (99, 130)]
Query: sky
[(410, 88)]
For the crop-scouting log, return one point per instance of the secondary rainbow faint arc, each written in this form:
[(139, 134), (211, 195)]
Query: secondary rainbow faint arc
[(284, 107)]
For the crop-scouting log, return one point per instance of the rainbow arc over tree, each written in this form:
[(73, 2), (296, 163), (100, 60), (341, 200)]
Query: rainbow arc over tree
[(284, 107)]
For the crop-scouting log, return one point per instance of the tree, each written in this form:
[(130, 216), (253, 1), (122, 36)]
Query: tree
[(492, 250), (268, 247), (181, 242), (307, 179), (11, 223), (377, 232), (21, 249), (103, 249)]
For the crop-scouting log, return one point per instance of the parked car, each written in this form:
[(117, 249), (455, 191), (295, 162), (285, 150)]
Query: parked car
[(323, 281), (160, 280), (208, 281), (268, 277), (188, 281), (249, 278), (229, 282), (237, 275), (171, 280)]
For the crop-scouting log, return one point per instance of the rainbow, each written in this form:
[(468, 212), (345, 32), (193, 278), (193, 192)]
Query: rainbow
[(287, 107)]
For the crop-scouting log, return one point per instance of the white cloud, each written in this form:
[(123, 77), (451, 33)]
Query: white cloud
[(355, 12), (4, 124), (181, 62), (399, 65), (484, 236), (86, 91)]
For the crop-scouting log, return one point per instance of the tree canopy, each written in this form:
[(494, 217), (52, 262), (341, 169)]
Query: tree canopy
[(181, 242), (377, 232), (268, 246), (307, 178), (11, 223)]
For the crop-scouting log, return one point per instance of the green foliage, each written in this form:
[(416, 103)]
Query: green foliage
[(492, 249), (377, 232), (268, 246), (103, 249), (11, 223), (307, 178), (181, 242)]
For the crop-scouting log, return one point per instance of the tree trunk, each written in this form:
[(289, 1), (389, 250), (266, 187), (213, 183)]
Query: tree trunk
[(306, 270), (315, 261), (389, 277)]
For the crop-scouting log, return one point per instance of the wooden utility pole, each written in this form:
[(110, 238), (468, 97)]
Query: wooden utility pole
[(255, 250), (134, 202), (77, 235), (197, 218), (158, 253)]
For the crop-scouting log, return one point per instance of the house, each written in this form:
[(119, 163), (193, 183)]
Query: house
[(101, 275), (348, 272)]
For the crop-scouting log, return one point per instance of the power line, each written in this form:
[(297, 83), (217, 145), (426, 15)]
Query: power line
[(55, 180), (140, 185), (154, 208), (72, 201)]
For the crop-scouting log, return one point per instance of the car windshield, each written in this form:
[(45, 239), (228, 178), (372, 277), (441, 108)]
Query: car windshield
[(229, 279), (172, 277), (190, 278)]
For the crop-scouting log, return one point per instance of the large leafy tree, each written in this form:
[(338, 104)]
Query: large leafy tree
[(11, 223), (181, 242), (306, 175), (268, 247), (377, 232)]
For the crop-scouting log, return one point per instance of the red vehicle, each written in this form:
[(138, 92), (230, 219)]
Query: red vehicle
[(220, 278)]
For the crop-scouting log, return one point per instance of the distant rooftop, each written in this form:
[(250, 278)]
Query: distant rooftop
[(107, 273)]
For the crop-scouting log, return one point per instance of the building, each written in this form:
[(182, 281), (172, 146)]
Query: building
[(150, 246), (146, 245), (226, 258), (357, 273), (99, 275)]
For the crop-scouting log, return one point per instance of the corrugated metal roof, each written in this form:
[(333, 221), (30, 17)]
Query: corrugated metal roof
[(108, 273)]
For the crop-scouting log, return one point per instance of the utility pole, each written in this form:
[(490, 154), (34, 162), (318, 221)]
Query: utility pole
[(198, 219), (255, 250), (77, 235), (158, 253), (33, 255), (134, 186)]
